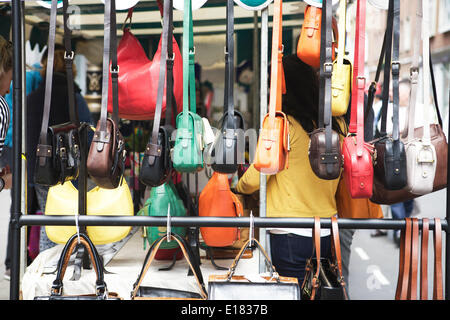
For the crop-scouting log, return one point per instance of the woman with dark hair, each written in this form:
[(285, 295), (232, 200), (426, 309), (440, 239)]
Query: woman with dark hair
[(297, 191)]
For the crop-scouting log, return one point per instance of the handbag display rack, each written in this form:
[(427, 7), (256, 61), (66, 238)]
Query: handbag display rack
[(19, 220)]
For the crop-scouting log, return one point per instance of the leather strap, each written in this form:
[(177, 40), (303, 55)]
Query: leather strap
[(426, 71), (437, 279), (359, 81), (170, 98), (424, 260), (336, 251), (229, 66), (404, 261), (316, 249), (412, 283)]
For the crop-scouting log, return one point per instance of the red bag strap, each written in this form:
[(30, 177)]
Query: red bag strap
[(359, 81)]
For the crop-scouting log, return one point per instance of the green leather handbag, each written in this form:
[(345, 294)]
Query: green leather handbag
[(188, 148), (157, 205)]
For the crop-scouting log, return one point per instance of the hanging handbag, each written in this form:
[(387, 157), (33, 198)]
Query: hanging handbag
[(217, 200), (358, 162), (323, 277), (58, 150), (138, 78), (325, 147), (101, 290), (153, 293), (106, 158), (243, 287), (390, 167), (308, 47), (342, 70), (272, 149), (227, 151), (63, 200), (157, 165), (188, 149)]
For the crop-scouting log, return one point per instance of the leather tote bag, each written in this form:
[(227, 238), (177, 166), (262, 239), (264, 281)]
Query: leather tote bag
[(63, 200), (358, 161), (106, 158), (272, 149), (156, 165), (138, 77), (217, 200), (141, 292), (325, 147), (308, 47), (227, 150), (323, 277), (242, 287), (58, 150), (101, 290), (188, 150), (341, 80)]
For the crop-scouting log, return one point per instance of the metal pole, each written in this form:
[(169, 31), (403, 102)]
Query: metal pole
[(17, 148)]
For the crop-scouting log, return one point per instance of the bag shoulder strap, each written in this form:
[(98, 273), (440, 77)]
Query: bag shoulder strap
[(412, 284), (437, 279), (229, 66), (336, 251), (404, 262), (424, 260)]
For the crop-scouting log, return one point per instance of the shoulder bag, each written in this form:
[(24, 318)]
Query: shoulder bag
[(153, 293), (325, 147), (240, 287), (101, 290), (188, 148), (358, 161), (217, 200), (138, 78), (106, 158), (156, 165), (323, 278), (58, 150), (272, 149), (227, 151)]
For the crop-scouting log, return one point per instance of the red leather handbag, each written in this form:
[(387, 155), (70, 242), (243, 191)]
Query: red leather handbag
[(358, 162), (138, 78)]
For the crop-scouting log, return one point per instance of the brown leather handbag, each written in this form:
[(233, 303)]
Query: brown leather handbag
[(106, 158), (272, 149)]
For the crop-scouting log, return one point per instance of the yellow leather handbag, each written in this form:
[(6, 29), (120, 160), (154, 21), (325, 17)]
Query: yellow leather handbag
[(342, 70), (62, 199)]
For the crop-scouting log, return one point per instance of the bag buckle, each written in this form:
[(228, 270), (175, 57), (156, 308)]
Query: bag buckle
[(395, 65), (328, 69)]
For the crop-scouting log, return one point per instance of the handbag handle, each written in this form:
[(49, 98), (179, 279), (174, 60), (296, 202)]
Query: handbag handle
[(437, 278), (316, 249), (424, 260), (404, 262), (412, 284), (336, 251), (188, 255), (67, 251), (359, 81)]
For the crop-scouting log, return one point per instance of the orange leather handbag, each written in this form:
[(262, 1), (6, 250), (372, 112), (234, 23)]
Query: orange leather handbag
[(272, 149), (217, 200), (308, 47)]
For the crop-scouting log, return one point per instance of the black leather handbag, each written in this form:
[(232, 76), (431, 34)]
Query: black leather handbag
[(157, 164), (323, 277), (390, 167), (58, 150), (101, 290), (154, 293), (325, 149), (227, 152), (236, 287)]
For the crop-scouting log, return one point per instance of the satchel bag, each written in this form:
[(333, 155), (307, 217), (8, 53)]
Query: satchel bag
[(325, 148), (272, 149), (237, 287), (323, 278), (188, 149), (106, 158), (138, 78), (217, 200), (342, 70), (63, 200), (358, 155), (101, 290), (153, 293), (308, 47), (58, 150), (156, 166), (227, 151)]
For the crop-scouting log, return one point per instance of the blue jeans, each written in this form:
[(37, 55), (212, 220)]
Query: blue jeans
[(402, 210), (290, 252)]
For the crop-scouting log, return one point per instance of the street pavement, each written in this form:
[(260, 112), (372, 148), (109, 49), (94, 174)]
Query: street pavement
[(373, 263)]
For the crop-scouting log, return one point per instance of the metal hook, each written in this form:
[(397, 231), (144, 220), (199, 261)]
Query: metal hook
[(169, 227)]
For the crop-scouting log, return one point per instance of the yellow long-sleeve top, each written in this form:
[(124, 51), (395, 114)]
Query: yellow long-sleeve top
[(295, 191)]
